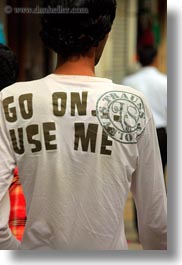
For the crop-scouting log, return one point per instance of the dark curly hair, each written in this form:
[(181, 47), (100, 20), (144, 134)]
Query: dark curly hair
[(80, 25), (8, 67)]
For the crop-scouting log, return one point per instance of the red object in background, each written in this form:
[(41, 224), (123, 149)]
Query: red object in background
[(17, 217), (147, 38)]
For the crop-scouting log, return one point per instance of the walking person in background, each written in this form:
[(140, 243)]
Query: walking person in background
[(81, 143), (153, 84), (17, 218)]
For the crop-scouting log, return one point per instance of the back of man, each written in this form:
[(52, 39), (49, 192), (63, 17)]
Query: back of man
[(76, 153), (80, 143)]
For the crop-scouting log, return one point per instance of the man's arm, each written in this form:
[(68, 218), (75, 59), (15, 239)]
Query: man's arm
[(149, 193), (7, 165)]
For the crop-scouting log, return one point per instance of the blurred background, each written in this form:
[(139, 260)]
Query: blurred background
[(138, 22)]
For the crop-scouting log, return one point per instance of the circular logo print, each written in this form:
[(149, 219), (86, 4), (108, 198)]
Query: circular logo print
[(122, 115)]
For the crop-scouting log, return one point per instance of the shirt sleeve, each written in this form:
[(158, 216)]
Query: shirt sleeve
[(149, 192), (7, 165)]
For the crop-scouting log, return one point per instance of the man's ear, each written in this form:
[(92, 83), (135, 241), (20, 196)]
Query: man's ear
[(137, 58)]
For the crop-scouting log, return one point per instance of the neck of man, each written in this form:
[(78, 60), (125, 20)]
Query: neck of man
[(155, 62), (77, 65)]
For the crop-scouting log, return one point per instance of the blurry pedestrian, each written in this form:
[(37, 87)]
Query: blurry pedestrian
[(153, 84), (8, 75)]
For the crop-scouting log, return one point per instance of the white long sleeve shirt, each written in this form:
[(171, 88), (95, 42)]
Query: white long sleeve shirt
[(153, 84), (80, 144)]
